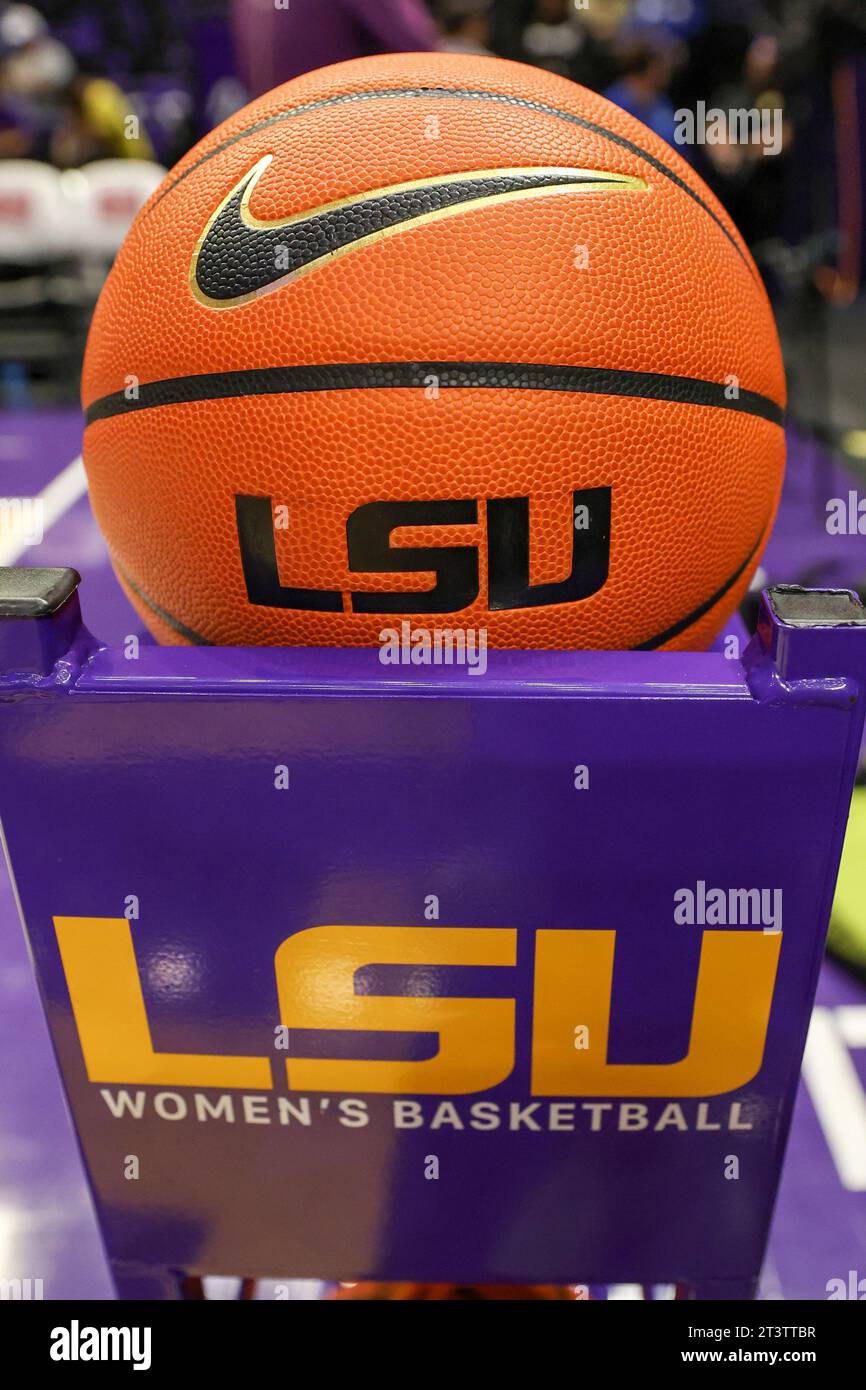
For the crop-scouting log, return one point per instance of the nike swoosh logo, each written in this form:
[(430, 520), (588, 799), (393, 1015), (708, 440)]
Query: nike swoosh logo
[(238, 257)]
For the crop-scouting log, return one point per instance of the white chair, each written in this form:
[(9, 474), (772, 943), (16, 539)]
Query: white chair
[(108, 195), (32, 224)]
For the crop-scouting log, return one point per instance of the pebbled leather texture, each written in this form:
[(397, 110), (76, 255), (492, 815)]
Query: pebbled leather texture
[(529, 346), (236, 259)]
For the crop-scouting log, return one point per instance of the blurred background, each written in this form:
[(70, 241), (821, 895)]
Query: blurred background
[(108, 92), (99, 97)]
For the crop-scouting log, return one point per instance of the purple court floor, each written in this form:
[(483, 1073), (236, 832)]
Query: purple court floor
[(47, 1227)]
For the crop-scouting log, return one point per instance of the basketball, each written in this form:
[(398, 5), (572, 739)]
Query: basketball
[(433, 665), (442, 338)]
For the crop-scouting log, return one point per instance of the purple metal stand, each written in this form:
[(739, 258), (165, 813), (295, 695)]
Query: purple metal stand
[(370, 972)]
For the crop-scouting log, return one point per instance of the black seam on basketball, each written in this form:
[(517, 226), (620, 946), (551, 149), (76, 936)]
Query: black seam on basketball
[(189, 633), (470, 94), (670, 633), (372, 376)]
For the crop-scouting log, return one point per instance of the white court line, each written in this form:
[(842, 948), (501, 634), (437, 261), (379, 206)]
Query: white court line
[(56, 499), (837, 1095), (851, 1019), (770, 1285)]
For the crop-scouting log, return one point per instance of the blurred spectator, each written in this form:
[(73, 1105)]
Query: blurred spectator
[(465, 25), (34, 69), (124, 38), (51, 111), (570, 40), (553, 38), (675, 18), (20, 26), (96, 123), (750, 181), (277, 41), (646, 69)]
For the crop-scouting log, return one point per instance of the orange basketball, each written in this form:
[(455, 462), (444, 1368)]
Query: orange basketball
[(439, 338)]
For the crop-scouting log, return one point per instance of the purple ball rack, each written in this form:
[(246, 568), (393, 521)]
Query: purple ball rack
[(357, 971)]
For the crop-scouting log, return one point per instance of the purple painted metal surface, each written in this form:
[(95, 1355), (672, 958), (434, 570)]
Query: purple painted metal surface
[(148, 777), (47, 1226)]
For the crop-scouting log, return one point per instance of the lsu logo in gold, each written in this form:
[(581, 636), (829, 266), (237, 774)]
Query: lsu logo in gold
[(315, 989)]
